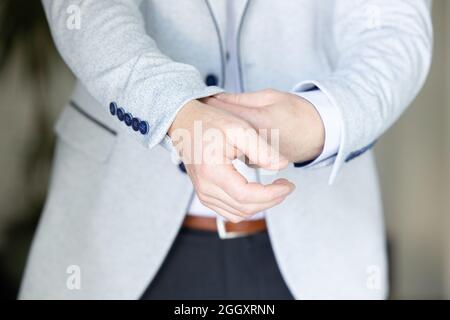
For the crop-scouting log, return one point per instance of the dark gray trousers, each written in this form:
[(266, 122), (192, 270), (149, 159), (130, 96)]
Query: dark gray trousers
[(202, 266)]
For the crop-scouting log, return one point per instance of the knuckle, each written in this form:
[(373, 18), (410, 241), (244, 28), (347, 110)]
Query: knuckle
[(270, 91), (241, 197), (272, 94), (247, 212), (202, 189), (202, 197)]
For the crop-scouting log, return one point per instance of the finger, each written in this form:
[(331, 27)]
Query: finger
[(228, 216), (216, 201), (248, 209), (249, 99), (255, 192), (231, 153), (238, 188), (256, 148), (214, 195), (221, 199)]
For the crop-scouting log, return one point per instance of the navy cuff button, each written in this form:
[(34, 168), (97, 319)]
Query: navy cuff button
[(113, 108), (128, 118), (144, 127), (120, 114), (135, 123)]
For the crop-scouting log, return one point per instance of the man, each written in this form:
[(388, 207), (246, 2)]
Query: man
[(122, 221)]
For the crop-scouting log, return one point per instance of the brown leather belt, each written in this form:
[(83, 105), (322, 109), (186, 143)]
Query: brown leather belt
[(225, 229)]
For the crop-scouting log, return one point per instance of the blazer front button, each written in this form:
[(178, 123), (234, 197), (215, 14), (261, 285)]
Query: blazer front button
[(128, 118), (211, 80), (120, 114), (144, 127), (182, 167)]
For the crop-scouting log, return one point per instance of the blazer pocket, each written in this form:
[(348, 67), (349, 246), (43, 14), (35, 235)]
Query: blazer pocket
[(83, 132)]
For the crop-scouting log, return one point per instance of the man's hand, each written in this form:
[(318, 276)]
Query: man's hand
[(301, 129), (225, 137)]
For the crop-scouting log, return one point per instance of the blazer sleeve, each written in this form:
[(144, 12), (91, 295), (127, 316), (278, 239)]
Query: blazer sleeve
[(383, 51), (116, 60)]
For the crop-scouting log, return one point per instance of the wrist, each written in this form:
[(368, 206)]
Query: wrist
[(311, 122), (182, 117)]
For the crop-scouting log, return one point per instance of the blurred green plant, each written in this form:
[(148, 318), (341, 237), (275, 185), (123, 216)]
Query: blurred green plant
[(25, 40)]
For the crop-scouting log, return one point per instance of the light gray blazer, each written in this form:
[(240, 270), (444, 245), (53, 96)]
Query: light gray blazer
[(117, 199)]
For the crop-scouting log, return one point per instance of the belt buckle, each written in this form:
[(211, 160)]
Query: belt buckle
[(223, 233)]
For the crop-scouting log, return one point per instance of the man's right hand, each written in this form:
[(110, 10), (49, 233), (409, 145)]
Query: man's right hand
[(207, 158)]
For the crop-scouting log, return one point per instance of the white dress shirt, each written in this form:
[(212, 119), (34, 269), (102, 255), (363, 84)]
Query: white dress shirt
[(326, 110)]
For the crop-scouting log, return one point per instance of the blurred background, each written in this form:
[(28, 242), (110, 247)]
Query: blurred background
[(413, 157)]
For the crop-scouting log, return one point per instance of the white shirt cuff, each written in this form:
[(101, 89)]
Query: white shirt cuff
[(330, 118)]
